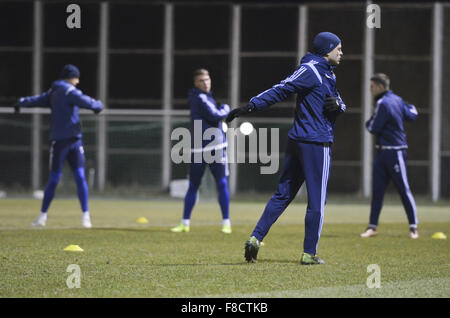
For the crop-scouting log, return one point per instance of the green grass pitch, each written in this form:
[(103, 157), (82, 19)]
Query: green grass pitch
[(124, 259)]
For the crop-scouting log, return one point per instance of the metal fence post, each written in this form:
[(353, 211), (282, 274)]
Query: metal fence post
[(167, 95), (37, 87), (436, 100), (367, 149), (302, 31), (235, 73), (103, 95)]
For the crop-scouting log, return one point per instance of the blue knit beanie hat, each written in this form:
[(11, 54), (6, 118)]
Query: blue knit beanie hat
[(70, 71), (325, 42)]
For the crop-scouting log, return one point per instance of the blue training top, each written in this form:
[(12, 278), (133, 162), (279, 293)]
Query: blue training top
[(208, 112), (64, 100), (387, 121), (312, 81)]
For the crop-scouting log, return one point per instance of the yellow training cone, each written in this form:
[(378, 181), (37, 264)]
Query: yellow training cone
[(73, 248), (142, 220), (439, 236)]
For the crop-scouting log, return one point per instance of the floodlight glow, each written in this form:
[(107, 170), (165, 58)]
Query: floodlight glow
[(246, 128), (224, 127)]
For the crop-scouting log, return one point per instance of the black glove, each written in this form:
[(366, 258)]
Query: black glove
[(97, 110), (237, 112), (332, 105)]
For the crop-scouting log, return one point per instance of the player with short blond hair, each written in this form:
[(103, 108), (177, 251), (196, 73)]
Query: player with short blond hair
[(207, 113)]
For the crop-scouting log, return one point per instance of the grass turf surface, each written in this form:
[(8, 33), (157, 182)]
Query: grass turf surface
[(124, 259)]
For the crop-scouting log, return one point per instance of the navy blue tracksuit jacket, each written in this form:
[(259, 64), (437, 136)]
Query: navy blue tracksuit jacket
[(208, 113), (311, 81), (387, 121), (64, 99)]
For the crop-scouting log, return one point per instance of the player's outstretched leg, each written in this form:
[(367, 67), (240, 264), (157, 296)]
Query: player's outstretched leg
[(195, 177), (196, 171), (76, 160), (189, 202), (224, 201), (219, 171), (83, 196), (291, 178), (49, 194)]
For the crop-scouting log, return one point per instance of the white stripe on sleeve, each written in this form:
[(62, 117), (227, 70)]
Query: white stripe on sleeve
[(314, 69), (413, 109), (71, 88), (212, 107)]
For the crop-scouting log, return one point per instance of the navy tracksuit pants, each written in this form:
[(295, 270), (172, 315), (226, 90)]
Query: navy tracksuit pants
[(389, 165), (71, 150), (220, 173), (304, 162)]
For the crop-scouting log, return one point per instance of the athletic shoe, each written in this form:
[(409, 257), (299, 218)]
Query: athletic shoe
[(369, 232), (310, 259), (226, 229), (180, 228), (40, 221), (251, 249), (86, 221), (413, 233)]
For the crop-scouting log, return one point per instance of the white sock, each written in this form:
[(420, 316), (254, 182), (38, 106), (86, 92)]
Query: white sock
[(186, 222), (43, 215), (86, 215), (226, 222)]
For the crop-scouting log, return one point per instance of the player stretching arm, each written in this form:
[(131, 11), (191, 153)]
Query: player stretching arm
[(64, 100), (308, 153)]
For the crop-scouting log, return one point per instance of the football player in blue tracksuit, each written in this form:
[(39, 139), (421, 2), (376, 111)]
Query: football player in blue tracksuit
[(308, 153), (64, 99), (206, 118), (390, 159)]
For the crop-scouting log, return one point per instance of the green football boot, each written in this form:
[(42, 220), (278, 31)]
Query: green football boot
[(180, 228), (251, 249), (226, 229), (310, 259)]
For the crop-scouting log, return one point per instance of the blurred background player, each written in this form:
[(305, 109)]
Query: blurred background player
[(64, 101), (206, 113), (390, 159), (308, 152)]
